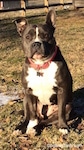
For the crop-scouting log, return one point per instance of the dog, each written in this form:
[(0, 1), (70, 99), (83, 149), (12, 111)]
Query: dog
[(46, 78)]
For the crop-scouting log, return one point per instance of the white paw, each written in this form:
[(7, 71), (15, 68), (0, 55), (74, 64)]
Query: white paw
[(30, 128), (31, 132), (63, 131)]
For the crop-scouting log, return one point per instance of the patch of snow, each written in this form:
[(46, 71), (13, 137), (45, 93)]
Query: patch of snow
[(5, 98)]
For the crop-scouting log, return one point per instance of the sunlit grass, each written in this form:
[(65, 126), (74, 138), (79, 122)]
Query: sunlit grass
[(70, 37)]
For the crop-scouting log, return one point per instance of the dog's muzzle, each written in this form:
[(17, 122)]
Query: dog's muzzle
[(36, 45), (37, 49)]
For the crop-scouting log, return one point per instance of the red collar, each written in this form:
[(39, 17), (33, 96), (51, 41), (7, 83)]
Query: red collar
[(45, 65)]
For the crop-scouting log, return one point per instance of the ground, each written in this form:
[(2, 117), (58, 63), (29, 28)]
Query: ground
[(70, 37)]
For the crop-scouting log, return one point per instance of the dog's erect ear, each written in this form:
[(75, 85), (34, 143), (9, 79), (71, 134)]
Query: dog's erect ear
[(51, 18), (21, 25)]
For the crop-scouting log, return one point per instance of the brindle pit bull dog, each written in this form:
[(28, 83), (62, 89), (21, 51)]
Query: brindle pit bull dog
[(45, 76)]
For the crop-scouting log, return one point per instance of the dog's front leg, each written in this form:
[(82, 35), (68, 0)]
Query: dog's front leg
[(30, 113), (61, 96)]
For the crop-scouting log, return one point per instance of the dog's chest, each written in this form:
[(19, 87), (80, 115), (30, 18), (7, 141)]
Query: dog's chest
[(42, 85)]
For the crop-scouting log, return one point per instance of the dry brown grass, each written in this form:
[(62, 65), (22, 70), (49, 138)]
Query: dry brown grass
[(70, 37)]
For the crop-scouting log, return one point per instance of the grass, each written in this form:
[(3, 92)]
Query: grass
[(70, 37)]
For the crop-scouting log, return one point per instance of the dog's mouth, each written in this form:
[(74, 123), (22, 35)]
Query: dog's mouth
[(37, 56)]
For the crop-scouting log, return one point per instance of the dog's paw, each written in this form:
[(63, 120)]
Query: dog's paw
[(64, 131), (30, 128), (31, 132)]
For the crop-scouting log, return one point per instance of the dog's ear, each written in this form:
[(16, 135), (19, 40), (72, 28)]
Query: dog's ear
[(51, 18), (21, 25)]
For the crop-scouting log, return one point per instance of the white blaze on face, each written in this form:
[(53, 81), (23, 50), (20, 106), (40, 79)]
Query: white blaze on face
[(37, 35)]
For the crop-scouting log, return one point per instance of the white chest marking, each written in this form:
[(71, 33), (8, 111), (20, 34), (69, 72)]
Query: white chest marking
[(42, 86)]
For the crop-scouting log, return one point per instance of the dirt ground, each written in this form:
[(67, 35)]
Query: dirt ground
[(70, 37)]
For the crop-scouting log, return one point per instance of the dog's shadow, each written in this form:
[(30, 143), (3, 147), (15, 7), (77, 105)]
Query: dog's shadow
[(77, 113)]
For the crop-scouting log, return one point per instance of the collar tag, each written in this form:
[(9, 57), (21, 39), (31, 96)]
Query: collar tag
[(39, 73)]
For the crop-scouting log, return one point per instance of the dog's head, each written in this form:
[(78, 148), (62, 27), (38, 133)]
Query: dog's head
[(38, 40)]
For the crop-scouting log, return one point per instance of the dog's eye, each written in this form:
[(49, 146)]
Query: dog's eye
[(46, 35), (30, 34), (28, 37)]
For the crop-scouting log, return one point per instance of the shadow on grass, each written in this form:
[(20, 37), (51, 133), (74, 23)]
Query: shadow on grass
[(77, 113)]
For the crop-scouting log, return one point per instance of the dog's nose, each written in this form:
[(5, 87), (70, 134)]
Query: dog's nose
[(36, 44)]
